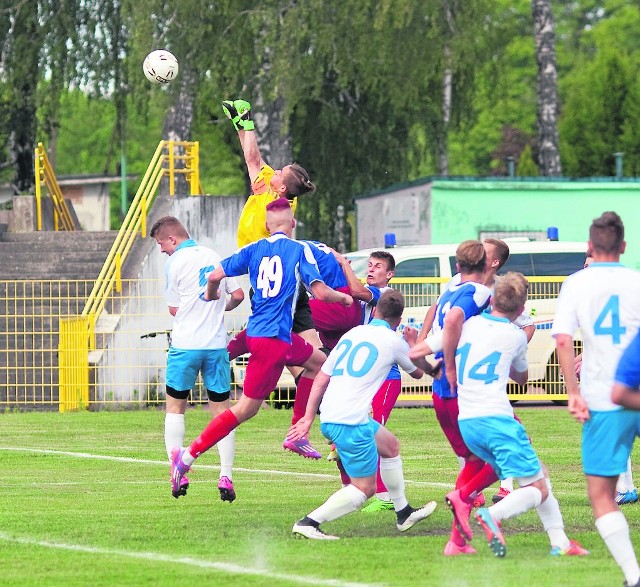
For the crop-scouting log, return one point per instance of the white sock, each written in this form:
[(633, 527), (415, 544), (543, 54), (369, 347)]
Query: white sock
[(342, 502), (173, 431), (227, 452), (393, 478), (628, 476), (551, 518), (517, 502), (507, 484), (614, 529)]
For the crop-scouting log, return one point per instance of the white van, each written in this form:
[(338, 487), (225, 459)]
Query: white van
[(552, 260)]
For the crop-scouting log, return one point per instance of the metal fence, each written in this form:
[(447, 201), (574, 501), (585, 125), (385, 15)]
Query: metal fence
[(46, 363)]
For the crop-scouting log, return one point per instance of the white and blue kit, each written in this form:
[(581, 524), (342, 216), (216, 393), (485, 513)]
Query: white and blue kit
[(357, 366), (275, 266), (489, 345), (198, 336), (471, 298), (603, 301)]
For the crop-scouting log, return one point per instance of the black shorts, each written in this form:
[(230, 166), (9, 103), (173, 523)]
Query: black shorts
[(302, 316)]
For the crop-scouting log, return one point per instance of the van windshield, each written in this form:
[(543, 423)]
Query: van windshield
[(359, 265)]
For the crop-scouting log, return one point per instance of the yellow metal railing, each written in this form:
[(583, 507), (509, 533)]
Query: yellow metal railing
[(165, 162), (127, 367), (78, 333), (73, 364), (44, 174)]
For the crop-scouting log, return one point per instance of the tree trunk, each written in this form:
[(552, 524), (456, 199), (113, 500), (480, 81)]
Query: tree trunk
[(177, 124), (447, 82), (443, 135), (547, 91), (23, 68)]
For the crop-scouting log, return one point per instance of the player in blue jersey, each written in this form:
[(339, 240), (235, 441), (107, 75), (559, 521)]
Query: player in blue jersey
[(198, 340), (275, 265), (343, 391), (603, 301), (627, 379), (492, 349), (461, 300), (332, 320)]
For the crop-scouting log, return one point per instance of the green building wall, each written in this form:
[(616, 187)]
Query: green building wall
[(459, 207), (451, 210)]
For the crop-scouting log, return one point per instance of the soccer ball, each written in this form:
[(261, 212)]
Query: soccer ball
[(160, 67)]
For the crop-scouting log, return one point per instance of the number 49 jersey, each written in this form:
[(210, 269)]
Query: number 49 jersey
[(275, 266), (358, 365), (604, 302)]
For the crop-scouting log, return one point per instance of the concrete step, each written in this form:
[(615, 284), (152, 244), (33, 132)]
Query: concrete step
[(55, 238)]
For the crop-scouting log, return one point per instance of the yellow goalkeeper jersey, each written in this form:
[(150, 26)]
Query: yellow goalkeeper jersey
[(253, 218)]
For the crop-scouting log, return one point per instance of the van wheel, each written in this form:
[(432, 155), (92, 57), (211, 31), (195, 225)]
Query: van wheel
[(553, 380)]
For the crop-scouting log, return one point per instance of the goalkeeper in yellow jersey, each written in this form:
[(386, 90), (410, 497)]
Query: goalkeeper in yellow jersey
[(267, 185)]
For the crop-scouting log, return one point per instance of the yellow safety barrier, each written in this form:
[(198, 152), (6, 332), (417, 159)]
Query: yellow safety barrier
[(46, 363), (44, 174)]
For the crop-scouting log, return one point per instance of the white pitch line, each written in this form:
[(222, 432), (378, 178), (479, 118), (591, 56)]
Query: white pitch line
[(194, 562), (84, 455)]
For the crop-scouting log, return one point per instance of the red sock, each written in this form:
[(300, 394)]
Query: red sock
[(303, 391), (485, 477), (468, 472), (217, 429), (344, 477)]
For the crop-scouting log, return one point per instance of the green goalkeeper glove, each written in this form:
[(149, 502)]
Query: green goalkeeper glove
[(239, 112)]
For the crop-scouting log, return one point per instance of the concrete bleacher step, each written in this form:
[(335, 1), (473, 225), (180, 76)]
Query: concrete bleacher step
[(43, 276)]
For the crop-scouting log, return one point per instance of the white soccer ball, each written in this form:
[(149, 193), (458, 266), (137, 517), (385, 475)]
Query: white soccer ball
[(160, 67)]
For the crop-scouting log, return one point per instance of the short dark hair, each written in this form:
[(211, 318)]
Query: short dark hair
[(390, 305), (502, 249), (168, 224), (471, 256), (297, 181), (607, 233), (385, 256)]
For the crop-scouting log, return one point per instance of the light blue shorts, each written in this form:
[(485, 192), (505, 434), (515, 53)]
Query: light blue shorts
[(502, 442), (607, 440), (356, 446), (183, 367)]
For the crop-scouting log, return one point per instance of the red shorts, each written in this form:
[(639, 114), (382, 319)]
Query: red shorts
[(265, 365), (332, 319), (447, 414), (298, 352)]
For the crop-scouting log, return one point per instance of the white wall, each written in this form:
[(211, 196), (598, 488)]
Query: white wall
[(405, 212), (130, 363)]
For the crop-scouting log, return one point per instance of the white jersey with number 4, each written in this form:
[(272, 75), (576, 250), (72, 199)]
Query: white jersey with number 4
[(197, 324), (358, 365), (488, 346), (604, 302)]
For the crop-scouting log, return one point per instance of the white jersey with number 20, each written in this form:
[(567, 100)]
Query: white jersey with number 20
[(358, 365)]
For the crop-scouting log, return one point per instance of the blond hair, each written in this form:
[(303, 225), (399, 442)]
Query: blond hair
[(510, 293)]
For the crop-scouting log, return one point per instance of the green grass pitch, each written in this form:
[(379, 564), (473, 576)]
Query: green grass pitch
[(86, 500)]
